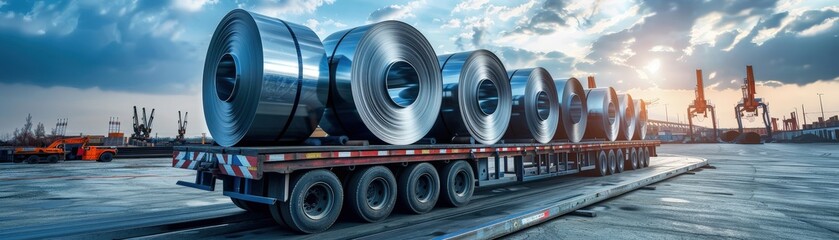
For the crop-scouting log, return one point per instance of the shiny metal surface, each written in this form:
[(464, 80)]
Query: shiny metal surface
[(628, 119), (535, 112), (641, 124), (262, 81), (573, 110), (385, 83), (603, 114), (476, 98)]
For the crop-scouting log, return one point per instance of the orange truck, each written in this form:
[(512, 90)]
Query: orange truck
[(76, 148)]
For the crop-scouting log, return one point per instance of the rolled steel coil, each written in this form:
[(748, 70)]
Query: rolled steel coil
[(535, 112), (573, 110), (476, 98), (603, 114), (641, 124), (385, 83), (262, 81), (628, 119)]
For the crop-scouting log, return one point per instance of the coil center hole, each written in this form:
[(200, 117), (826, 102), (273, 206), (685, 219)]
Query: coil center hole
[(576, 109), (487, 96), (543, 105), (402, 83), (227, 78), (612, 113)]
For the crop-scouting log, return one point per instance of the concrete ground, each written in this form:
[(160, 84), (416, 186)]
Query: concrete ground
[(765, 191), (769, 191)]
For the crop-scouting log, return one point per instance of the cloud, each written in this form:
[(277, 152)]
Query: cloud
[(469, 5), (720, 37), (125, 46), (192, 5), (279, 8), (395, 12)]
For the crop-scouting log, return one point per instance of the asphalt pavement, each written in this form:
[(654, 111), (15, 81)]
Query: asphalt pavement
[(768, 191)]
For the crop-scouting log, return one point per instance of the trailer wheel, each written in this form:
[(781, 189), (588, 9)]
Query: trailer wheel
[(612, 162), (371, 193), (646, 157), (52, 158), (633, 158), (34, 159), (419, 188), (314, 203), (621, 160), (458, 183), (106, 157), (602, 163)]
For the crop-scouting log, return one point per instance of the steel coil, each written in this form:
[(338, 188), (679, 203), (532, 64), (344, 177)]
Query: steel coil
[(641, 124), (476, 98), (262, 81), (535, 112), (573, 110), (385, 83), (603, 115), (628, 119)]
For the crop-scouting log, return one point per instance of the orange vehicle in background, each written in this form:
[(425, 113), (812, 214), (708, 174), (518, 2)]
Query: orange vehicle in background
[(76, 148)]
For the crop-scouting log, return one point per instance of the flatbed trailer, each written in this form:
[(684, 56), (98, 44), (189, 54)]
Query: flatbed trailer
[(306, 187)]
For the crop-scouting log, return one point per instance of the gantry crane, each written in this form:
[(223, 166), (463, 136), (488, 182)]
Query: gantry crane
[(142, 130), (181, 128), (701, 106), (749, 105)]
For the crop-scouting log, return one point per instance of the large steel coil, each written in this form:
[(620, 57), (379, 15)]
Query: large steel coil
[(262, 81), (476, 98), (385, 83), (628, 119), (535, 105), (603, 114), (641, 124), (573, 110)]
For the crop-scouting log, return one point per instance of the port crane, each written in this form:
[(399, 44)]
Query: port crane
[(181, 128), (700, 106), (142, 130), (748, 106)]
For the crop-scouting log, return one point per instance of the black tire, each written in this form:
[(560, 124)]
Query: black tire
[(314, 202), (457, 182), (34, 159), (52, 158), (621, 157), (105, 157), (371, 194), (601, 163), (613, 162), (239, 204), (418, 188), (646, 157), (633, 159)]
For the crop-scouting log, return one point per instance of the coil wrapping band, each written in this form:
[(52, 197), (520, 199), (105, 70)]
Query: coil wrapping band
[(628, 120), (476, 98), (262, 81), (385, 83), (641, 124), (573, 110), (603, 114), (535, 112)]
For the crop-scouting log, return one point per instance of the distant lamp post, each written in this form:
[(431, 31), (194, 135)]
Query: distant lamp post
[(820, 104)]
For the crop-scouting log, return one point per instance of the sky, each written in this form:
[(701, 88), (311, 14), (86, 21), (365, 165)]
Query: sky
[(90, 60)]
